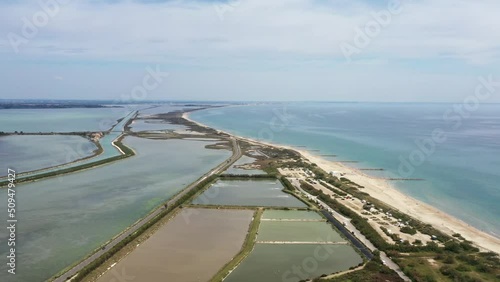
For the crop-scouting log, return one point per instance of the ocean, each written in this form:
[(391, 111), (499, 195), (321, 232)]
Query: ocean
[(456, 150)]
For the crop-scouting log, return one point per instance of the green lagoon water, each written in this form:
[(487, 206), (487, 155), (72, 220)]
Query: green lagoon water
[(62, 219), (291, 214), (298, 231), (260, 193), (25, 153), (271, 263)]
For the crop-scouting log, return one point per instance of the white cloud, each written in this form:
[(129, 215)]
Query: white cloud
[(294, 29), (261, 49)]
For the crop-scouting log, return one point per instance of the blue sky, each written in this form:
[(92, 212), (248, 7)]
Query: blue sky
[(426, 51)]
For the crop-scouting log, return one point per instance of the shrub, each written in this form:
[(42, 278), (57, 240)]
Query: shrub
[(462, 268), (449, 260), (408, 230)]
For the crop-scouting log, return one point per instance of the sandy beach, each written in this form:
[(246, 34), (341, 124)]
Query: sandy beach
[(384, 191)]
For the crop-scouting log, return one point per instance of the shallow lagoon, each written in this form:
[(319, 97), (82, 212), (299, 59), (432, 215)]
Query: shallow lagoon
[(260, 193), (62, 219), (272, 262), (26, 153), (60, 120), (153, 125), (106, 142)]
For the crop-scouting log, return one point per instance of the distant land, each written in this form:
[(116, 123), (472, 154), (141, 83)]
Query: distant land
[(52, 106), (68, 104)]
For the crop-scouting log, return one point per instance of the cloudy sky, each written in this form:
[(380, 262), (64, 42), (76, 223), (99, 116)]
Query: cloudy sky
[(335, 50)]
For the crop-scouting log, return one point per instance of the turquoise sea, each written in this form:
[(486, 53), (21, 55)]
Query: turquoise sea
[(456, 152)]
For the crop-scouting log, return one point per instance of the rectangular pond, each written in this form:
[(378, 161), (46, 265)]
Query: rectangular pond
[(298, 231), (291, 215), (192, 246), (292, 263), (259, 193)]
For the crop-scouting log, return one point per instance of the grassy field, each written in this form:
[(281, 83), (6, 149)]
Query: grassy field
[(449, 266)]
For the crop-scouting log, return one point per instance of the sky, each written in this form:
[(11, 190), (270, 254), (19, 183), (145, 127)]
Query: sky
[(262, 50)]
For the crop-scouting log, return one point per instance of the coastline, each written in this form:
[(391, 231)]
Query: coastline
[(385, 192)]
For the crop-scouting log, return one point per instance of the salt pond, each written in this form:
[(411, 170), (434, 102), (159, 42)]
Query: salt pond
[(60, 120), (63, 219), (291, 215), (193, 246), (25, 153), (261, 193), (273, 262), (289, 240)]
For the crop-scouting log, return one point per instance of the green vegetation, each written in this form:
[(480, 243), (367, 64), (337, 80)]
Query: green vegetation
[(456, 261), (408, 230), (372, 271), (288, 186), (449, 266)]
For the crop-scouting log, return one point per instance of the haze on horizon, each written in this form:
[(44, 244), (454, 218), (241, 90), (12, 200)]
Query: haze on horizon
[(421, 51)]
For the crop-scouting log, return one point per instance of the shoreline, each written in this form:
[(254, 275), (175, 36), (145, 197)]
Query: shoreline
[(385, 192)]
